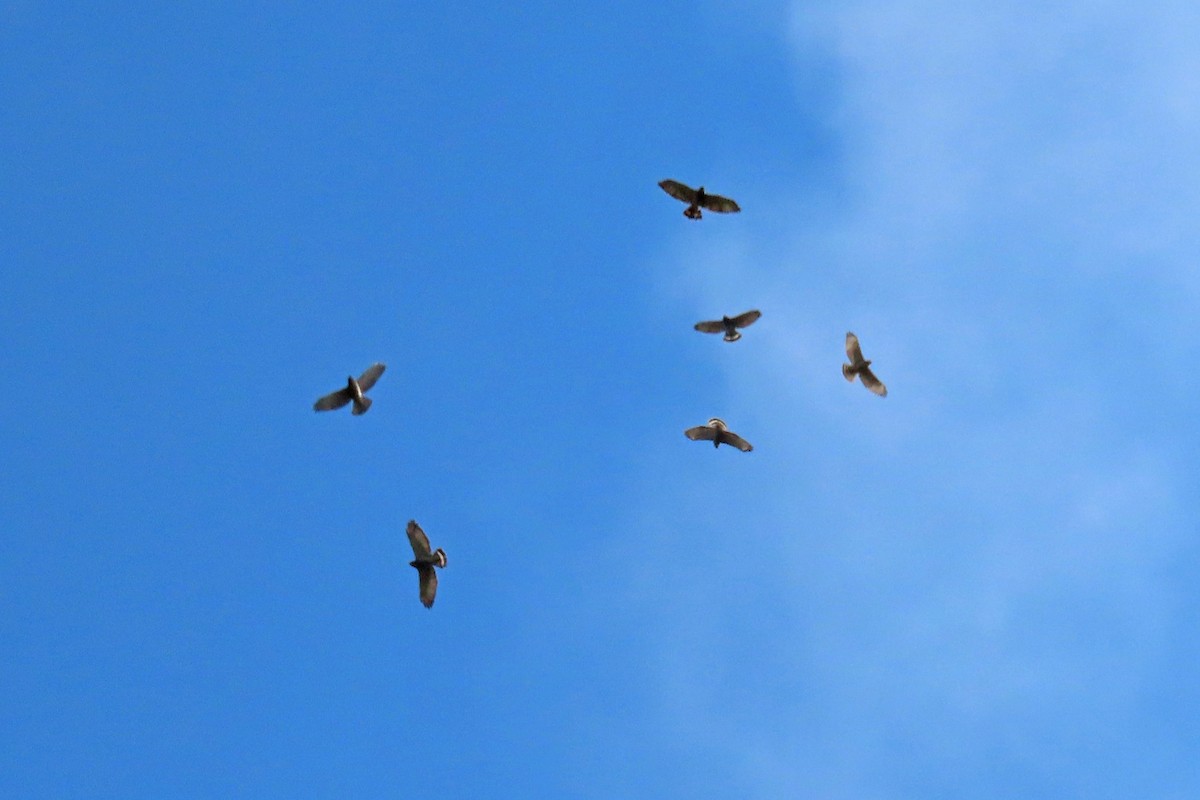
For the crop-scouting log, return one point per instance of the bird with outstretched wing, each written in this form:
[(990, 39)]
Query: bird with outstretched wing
[(861, 367), (425, 561), (352, 392), (717, 432), (698, 199), (729, 325)]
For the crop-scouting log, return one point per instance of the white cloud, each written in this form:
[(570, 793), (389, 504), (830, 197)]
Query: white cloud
[(967, 572)]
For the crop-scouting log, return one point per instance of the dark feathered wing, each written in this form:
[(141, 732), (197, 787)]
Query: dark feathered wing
[(679, 191), (701, 433), (871, 382), (418, 540), (368, 378), (713, 326), (736, 441), (722, 205), (853, 351), (335, 400), (747, 319), (428, 579)]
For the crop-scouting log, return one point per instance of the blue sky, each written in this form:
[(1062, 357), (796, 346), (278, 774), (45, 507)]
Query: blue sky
[(982, 586)]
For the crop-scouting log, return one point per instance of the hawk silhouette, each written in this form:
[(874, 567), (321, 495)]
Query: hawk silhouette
[(729, 325), (425, 562), (717, 432), (352, 392), (861, 367), (697, 199)]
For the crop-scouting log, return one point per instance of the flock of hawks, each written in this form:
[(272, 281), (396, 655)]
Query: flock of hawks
[(716, 431)]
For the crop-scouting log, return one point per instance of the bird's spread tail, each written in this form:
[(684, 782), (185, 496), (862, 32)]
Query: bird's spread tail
[(441, 557), (846, 373), (733, 336), (361, 406)]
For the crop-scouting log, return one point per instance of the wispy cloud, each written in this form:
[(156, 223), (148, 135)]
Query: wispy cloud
[(960, 586)]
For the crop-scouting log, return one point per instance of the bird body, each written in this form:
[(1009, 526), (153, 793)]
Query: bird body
[(697, 199), (717, 432), (354, 392), (860, 367), (361, 403), (425, 562), (729, 325)]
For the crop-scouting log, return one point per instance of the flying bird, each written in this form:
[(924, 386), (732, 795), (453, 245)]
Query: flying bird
[(353, 392), (697, 199), (861, 367), (717, 432), (729, 325), (425, 561)]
